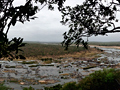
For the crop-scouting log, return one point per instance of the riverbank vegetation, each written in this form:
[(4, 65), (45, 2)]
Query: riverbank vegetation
[(3, 87), (36, 51)]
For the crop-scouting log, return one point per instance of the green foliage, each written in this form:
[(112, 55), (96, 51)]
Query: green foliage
[(9, 49), (101, 80), (30, 88), (69, 86), (3, 87), (56, 87)]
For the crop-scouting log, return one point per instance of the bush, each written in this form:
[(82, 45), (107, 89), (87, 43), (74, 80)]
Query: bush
[(56, 87), (101, 80), (70, 86), (30, 88), (107, 79), (3, 87)]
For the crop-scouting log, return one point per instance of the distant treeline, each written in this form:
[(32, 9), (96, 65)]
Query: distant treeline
[(105, 43)]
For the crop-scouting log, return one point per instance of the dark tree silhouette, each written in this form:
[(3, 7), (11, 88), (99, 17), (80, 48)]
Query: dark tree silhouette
[(11, 14), (93, 17)]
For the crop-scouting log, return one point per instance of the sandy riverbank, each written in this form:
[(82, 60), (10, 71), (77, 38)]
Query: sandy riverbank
[(116, 47)]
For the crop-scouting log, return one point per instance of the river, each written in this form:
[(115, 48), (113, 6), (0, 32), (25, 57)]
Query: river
[(52, 72)]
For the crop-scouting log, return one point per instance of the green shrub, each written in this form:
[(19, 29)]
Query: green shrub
[(3, 87), (107, 79), (101, 80), (70, 86), (30, 88), (56, 87)]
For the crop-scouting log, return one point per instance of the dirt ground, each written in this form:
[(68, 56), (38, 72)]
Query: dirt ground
[(117, 47)]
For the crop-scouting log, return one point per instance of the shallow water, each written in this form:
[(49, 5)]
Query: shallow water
[(111, 54), (50, 72)]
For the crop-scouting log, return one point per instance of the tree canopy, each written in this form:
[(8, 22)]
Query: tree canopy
[(93, 17), (11, 14)]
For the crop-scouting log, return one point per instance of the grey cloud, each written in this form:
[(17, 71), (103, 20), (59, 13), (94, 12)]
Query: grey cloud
[(47, 27)]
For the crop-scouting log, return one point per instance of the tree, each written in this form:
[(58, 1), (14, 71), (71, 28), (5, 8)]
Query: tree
[(9, 49), (11, 14), (93, 17)]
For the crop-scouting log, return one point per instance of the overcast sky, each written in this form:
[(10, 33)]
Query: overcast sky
[(47, 27)]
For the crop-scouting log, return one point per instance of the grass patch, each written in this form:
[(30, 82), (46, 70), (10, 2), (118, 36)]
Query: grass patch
[(37, 50)]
